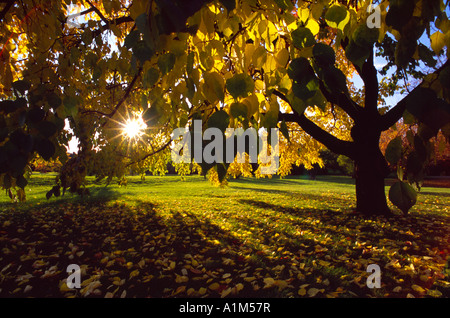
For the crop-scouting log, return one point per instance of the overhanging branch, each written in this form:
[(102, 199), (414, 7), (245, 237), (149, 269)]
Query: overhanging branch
[(328, 140), (395, 113)]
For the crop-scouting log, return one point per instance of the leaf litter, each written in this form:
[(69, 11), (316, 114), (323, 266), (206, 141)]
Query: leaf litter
[(267, 251)]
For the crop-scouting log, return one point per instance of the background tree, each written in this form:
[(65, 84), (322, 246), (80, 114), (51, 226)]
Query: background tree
[(229, 63)]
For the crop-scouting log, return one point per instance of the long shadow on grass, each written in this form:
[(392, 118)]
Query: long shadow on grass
[(97, 195), (424, 228), (140, 251), (126, 251), (345, 240)]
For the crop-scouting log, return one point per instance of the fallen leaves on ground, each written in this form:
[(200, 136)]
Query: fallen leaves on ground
[(285, 252)]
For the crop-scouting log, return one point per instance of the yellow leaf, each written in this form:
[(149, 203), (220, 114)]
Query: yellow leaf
[(239, 287), (418, 288), (313, 26), (63, 287), (303, 14), (141, 263), (437, 41), (434, 293), (190, 291), (134, 273), (397, 289), (269, 281), (214, 286), (313, 292), (226, 292), (179, 290), (302, 292), (281, 284), (282, 57)]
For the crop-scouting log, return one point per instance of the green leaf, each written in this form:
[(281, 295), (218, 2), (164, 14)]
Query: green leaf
[(21, 182), (357, 54), (141, 22), (142, 52), (213, 87), (413, 163), (219, 119), (151, 115), (132, 39), (190, 62), (420, 148), (444, 77), (238, 110), (45, 148), (424, 104), (206, 60), (400, 12), (365, 36), (56, 190), (302, 37), (285, 5), (70, 106), (46, 128), (300, 70), (426, 55), (394, 150), (335, 81), (35, 115), (151, 77), (166, 62), (323, 54), (53, 100), (337, 16), (305, 83), (21, 85), (49, 194), (317, 100), (240, 85), (403, 196)]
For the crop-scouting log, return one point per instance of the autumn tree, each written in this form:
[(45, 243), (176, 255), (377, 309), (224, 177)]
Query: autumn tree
[(101, 64)]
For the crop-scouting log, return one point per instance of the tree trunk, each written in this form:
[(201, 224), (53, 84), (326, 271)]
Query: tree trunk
[(371, 169), (370, 190)]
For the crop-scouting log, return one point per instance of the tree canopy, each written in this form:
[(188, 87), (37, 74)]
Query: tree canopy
[(257, 63)]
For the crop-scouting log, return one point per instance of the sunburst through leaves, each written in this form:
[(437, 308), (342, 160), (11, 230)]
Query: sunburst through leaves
[(131, 128)]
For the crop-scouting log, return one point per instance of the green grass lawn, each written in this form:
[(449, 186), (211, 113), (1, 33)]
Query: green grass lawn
[(164, 237)]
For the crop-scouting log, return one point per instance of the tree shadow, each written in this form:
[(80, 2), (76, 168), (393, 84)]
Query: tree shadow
[(144, 251)]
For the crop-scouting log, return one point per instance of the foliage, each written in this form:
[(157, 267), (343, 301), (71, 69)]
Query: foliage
[(264, 63), (41, 165)]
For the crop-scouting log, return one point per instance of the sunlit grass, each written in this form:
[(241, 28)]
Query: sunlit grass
[(302, 226)]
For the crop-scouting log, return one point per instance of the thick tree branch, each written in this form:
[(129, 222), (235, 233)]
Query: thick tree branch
[(343, 101), (370, 79), (98, 12), (331, 142), (395, 113)]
